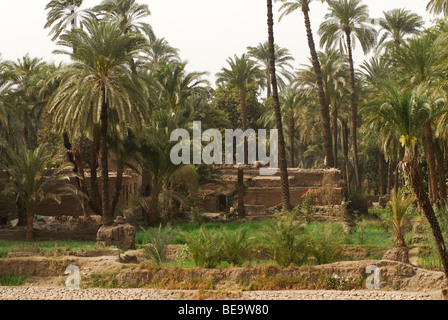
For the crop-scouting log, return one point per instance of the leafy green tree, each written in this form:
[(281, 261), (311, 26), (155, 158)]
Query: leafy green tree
[(406, 113), (283, 61), (304, 6), (283, 168), (62, 14), (396, 25), (34, 176), (241, 73), (438, 7), (349, 20), (97, 89)]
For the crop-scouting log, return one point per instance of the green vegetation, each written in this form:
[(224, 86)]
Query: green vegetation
[(44, 247), (12, 281)]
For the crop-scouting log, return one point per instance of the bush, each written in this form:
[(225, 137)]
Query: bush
[(158, 240), (205, 248), (236, 246), (357, 204), (285, 241), (326, 242)]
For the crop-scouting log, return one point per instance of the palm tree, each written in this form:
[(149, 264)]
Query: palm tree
[(62, 14), (35, 176), (418, 61), (126, 12), (160, 52), (398, 209), (334, 71), (97, 89), (438, 7), (304, 5), (242, 71), (396, 25), (406, 113), (286, 202), (282, 63), (349, 20)]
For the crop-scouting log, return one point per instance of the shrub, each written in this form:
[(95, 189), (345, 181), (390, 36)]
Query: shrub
[(357, 204), (158, 240), (398, 215), (326, 242), (236, 246), (285, 240), (205, 247)]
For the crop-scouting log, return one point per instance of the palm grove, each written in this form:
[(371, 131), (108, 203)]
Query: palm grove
[(383, 124)]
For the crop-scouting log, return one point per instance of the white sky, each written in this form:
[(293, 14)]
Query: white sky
[(207, 32)]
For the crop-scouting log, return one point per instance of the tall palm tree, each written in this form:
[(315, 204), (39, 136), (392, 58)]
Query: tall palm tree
[(27, 79), (349, 20), (286, 202), (419, 61), (438, 7), (160, 52), (34, 176), (283, 61), (97, 89), (334, 71), (304, 6), (63, 14), (127, 13), (406, 113), (242, 71), (396, 25)]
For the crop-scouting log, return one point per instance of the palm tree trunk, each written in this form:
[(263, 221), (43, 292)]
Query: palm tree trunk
[(335, 136), (118, 183), (291, 139), (389, 177), (153, 217), (95, 201), (381, 173), (431, 160), (107, 215), (344, 134), (414, 173), (242, 94), (21, 213), (241, 207), (324, 109), (29, 226), (354, 113), (442, 178), (268, 84), (286, 203)]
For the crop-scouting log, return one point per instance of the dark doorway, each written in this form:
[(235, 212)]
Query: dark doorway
[(222, 200)]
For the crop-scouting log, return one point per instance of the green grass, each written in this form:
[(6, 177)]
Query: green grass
[(43, 246), (253, 229), (12, 281)]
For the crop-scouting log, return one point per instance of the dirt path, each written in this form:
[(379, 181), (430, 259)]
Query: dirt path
[(61, 293)]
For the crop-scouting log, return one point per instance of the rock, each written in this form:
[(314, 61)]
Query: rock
[(400, 254), (120, 220), (121, 236), (135, 217), (134, 256)]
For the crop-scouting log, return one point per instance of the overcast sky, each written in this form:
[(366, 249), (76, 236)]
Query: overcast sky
[(207, 32)]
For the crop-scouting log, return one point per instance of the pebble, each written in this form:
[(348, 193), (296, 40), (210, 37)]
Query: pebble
[(61, 293)]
